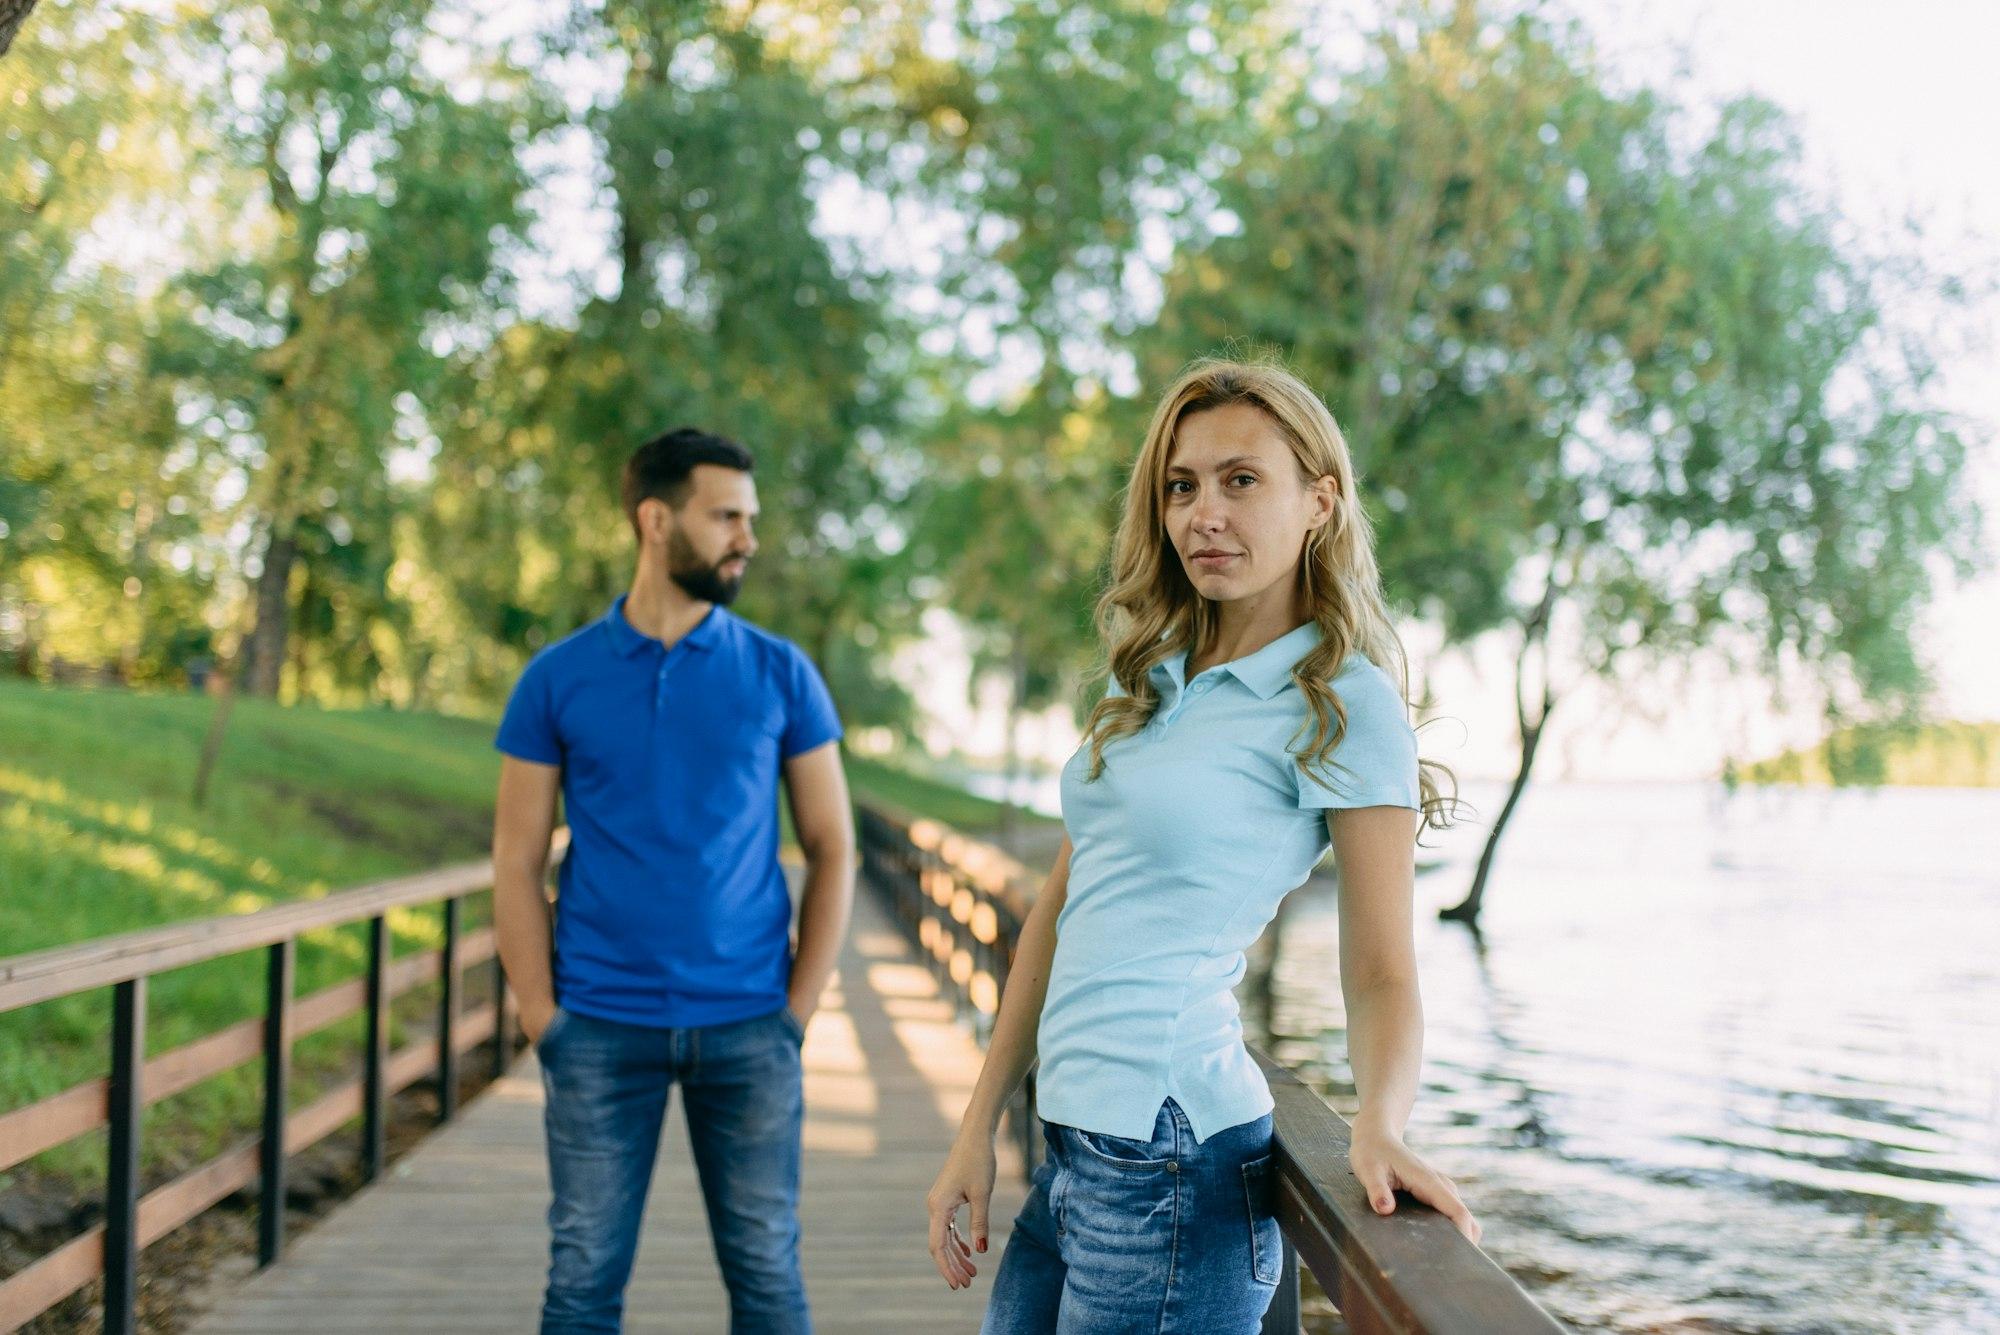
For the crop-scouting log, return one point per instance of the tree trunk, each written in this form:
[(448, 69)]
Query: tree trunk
[(420, 675), (13, 13), (1467, 909), (301, 634), (264, 650), (211, 746), (1534, 635)]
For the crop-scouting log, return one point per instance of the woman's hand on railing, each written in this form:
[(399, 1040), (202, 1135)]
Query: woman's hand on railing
[(1382, 1163), (966, 1179)]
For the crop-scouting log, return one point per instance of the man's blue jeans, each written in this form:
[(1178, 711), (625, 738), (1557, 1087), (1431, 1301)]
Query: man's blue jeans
[(607, 1085), (1143, 1237)]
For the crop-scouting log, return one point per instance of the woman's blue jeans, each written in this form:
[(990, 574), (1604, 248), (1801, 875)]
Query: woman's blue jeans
[(607, 1085), (1143, 1237)]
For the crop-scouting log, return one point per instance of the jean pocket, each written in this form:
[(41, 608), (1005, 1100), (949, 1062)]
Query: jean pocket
[(793, 1024), (1267, 1240), (1134, 1155)]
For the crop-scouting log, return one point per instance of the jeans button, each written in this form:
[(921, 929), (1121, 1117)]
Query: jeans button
[(1173, 1165)]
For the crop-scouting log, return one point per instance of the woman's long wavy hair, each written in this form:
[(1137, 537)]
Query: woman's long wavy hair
[(1149, 611)]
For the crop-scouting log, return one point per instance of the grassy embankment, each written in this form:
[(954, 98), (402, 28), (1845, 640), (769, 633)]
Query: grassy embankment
[(98, 835), (1955, 755)]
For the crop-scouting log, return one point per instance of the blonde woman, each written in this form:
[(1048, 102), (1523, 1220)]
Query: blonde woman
[(1255, 712)]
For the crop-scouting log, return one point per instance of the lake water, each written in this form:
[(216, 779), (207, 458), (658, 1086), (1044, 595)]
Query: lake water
[(1716, 1064)]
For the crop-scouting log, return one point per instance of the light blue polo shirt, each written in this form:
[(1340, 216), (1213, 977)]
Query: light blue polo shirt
[(1181, 850)]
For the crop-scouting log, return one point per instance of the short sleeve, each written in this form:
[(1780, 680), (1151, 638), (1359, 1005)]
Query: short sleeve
[(528, 728), (1375, 764), (810, 718)]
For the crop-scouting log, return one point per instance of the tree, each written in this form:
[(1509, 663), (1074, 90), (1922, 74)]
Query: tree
[(379, 191), (108, 557), (1622, 388), (732, 310), (1071, 143), (13, 13)]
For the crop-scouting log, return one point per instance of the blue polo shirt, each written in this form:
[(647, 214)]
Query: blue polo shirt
[(1181, 850), (672, 908)]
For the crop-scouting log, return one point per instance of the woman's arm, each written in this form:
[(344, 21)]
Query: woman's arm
[(967, 1177), (1374, 849)]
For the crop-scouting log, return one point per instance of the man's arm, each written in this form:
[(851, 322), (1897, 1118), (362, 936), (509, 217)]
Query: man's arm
[(524, 820), (816, 787)]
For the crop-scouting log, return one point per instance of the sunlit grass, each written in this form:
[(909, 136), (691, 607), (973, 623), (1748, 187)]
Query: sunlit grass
[(99, 835)]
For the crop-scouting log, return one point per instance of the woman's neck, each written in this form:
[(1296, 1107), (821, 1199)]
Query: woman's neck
[(1248, 624)]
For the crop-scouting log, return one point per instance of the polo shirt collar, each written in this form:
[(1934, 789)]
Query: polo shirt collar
[(1269, 670), (628, 640), (1265, 672)]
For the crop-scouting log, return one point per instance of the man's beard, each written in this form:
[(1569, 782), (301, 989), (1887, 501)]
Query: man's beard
[(697, 578)]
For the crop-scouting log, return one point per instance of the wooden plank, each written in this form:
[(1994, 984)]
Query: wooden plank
[(62, 1272), (1408, 1271), (26, 1132), (48, 1281), (45, 974)]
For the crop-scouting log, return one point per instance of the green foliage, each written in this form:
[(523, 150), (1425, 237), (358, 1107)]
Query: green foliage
[(929, 262), (1065, 135), (1582, 349), (96, 500)]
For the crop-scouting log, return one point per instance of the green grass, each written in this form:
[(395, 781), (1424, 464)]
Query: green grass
[(1959, 755), (99, 835), (873, 780)]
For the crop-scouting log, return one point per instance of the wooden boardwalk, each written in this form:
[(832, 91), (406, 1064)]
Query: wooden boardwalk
[(453, 1238)]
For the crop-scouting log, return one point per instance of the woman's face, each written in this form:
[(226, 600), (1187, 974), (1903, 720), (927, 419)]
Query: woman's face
[(1237, 510)]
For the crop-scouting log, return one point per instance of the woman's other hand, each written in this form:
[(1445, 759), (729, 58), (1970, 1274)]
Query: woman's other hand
[(966, 1179)]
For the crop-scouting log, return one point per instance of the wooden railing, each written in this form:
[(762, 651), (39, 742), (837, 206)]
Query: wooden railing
[(124, 964), (962, 902)]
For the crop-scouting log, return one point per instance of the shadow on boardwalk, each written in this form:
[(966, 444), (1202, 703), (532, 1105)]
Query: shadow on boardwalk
[(454, 1240)]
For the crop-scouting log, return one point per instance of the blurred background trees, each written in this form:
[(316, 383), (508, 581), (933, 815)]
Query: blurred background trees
[(324, 329)]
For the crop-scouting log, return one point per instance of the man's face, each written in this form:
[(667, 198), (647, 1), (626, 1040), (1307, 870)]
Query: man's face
[(709, 541)]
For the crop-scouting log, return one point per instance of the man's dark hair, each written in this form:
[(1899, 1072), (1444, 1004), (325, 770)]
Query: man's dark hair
[(659, 469)]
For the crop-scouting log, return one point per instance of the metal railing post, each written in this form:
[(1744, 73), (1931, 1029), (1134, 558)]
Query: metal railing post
[(277, 1081), (121, 1186), (374, 1096), (448, 1016)]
